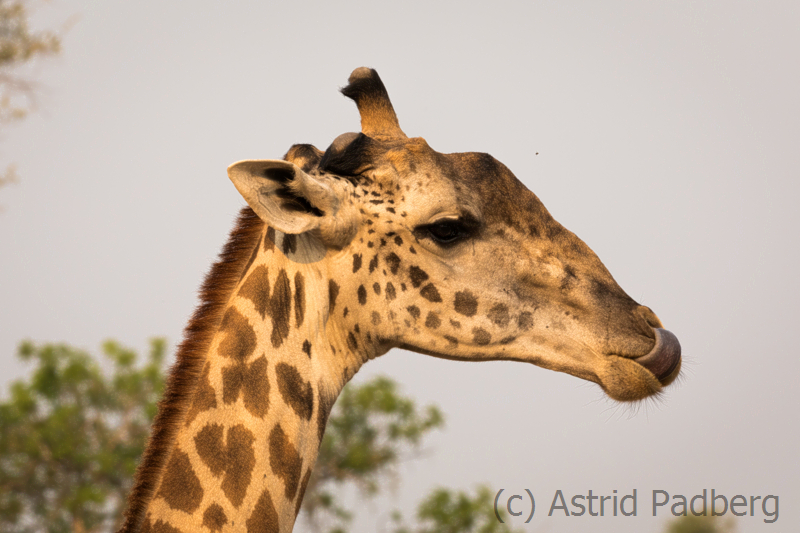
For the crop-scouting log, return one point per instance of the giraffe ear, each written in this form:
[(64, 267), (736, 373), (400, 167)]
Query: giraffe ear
[(293, 202)]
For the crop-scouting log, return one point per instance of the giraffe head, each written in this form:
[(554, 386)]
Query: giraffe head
[(452, 256)]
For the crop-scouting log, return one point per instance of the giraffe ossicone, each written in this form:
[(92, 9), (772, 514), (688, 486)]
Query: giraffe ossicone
[(376, 243)]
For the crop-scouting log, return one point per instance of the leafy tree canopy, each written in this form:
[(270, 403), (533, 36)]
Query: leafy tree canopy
[(71, 436), (18, 46), (369, 431), (448, 511), (700, 524)]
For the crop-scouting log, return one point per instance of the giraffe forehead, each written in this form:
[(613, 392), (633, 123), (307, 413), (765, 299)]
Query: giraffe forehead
[(468, 182)]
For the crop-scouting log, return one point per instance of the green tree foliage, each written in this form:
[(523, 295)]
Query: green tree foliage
[(448, 511), (18, 46), (700, 524), (71, 436), (371, 429)]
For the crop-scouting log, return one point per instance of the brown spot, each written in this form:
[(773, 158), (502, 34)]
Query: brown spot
[(180, 486), (455, 323), (264, 518), (351, 341), (289, 243), (418, 276), (499, 315), (240, 339), (345, 311), (280, 309), (256, 289), (403, 287), (356, 262), (324, 409), (430, 293), (412, 250), (481, 337), (433, 321), (508, 340), (376, 318), (413, 310), (393, 261), (333, 292), (376, 287), (362, 295), (373, 263), (391, 294), (241, 460), (390, 209), (452, 341), (299, 298), (210, 448), (307, 348), (214, 517), (251, 381), (269, 239), (250, 261), (205, 397), (296, 392), (159, 527), (466, 303), (525, 320), (235, 459), (284, 460), (303, 485)]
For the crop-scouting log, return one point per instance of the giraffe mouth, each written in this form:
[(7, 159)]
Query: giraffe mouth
[(665, 357)]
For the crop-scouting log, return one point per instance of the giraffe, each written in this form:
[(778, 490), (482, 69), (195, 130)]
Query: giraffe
[(378, 242)]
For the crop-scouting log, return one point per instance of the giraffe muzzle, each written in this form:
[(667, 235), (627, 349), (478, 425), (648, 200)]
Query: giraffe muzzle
[(665, 357)]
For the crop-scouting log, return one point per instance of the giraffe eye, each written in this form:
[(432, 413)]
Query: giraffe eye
[(447, 231)]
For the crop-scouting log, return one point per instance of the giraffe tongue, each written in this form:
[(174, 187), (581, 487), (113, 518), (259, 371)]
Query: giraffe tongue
[(665, 355)]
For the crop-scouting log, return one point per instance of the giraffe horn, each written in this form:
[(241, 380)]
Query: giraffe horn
[(378, 118)]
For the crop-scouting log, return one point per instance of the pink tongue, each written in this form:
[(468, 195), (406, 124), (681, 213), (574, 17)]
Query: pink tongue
[(665, 355)]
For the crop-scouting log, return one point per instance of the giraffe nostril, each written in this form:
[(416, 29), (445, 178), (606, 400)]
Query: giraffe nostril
[(649, 316)]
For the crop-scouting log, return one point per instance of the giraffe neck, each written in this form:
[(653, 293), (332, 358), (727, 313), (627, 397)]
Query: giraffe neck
[(244, 450)]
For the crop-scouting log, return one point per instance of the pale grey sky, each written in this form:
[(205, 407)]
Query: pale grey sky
[(667, 136)]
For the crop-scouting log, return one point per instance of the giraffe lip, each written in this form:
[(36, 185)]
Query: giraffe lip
[(665, 356)]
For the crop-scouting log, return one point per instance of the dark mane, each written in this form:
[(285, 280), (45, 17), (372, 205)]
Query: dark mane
[(184, 374)]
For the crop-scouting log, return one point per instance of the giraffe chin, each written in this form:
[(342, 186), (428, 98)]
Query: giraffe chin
[(627, 379)]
